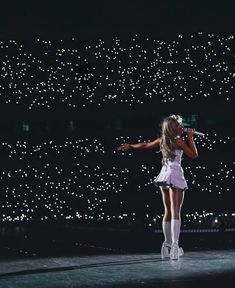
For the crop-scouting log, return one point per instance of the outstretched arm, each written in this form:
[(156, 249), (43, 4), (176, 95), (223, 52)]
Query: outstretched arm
[(148, 145)]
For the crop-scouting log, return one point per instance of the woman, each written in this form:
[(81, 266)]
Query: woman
[(171, 178)]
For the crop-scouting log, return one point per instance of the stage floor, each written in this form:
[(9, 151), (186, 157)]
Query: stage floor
[(194, 269)]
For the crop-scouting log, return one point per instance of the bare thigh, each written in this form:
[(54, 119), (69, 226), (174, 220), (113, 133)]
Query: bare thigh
[(176, 200), (167, 204), (166, 197)]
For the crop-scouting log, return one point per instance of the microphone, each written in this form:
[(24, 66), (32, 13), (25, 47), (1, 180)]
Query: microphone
[(195, 132)]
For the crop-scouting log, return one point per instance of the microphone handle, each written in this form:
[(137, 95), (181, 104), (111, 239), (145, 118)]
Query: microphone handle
[(199, 133), (195, 132)]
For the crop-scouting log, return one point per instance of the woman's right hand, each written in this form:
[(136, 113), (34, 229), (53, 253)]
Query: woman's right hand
[(124, 147), (190, 132)]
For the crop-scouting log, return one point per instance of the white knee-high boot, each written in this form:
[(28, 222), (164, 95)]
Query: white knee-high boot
[(175, 230), (166, 228), (166, 246), (175, 233)]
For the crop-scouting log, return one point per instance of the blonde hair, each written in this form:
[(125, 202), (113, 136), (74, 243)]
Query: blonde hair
[(169, 133)]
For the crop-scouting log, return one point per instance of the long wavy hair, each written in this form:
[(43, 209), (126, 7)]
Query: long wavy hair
[(169, 132)]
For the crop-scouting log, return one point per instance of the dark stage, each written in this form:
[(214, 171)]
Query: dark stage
[(195, 269), (72, 256)]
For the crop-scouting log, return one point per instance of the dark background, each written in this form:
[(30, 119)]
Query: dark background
[(159, 18)]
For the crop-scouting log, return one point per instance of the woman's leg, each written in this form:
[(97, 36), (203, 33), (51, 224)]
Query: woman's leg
[(176, 199), (166, 221), (166, 224), (167, 204)]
